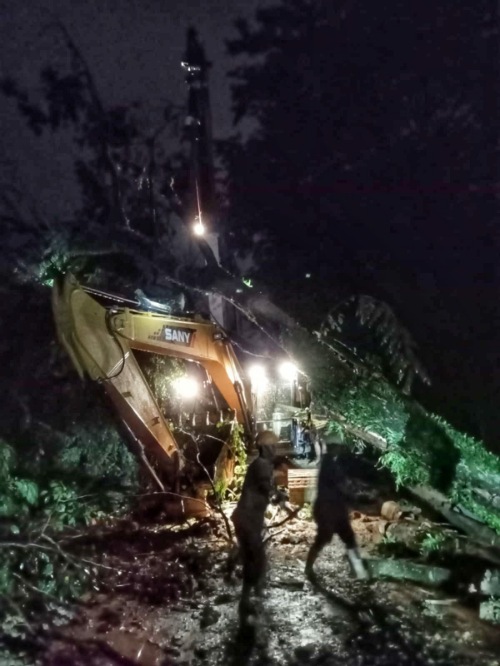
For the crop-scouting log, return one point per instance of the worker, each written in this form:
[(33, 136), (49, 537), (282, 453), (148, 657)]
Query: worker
[(331, 514), (248, 518)]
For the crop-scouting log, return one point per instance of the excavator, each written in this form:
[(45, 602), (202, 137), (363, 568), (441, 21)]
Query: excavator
[(100, 333)]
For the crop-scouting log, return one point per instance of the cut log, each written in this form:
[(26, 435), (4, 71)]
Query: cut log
[(486, 498), (433, 498), (407, 570), (442, 504), (413, 534)]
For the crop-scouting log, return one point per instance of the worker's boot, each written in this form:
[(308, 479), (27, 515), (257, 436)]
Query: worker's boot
[(357, 564), (311, 559)]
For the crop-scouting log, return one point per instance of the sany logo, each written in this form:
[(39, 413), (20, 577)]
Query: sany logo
[(178, 336)]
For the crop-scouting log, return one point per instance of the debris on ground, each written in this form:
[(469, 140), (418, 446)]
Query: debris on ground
[(490, 583), (406, 570), (490, 611), (163, 597), (166, 601)]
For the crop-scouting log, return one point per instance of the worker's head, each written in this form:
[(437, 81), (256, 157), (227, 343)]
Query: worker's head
[(266, 442)]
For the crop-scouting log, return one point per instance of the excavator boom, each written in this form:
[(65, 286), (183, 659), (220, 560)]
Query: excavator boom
[(100, 341)]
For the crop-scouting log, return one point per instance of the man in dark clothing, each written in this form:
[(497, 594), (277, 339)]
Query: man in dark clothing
[(248, 518), (331, 514)]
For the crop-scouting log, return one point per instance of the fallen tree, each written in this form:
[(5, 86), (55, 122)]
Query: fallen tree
[(450, 471)]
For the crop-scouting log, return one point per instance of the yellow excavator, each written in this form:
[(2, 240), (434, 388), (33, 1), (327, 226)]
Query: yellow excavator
[(100, 333), (105, 334)]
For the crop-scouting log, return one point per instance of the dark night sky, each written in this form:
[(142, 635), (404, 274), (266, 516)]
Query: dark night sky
[(133, 48)]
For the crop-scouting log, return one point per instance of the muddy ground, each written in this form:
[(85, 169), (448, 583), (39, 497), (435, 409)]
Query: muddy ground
[(164, 598)]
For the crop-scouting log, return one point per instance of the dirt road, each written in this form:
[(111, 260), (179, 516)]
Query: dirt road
[(164, 600)]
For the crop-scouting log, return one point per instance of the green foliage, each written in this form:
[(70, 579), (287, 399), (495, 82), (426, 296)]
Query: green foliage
[(335, 429), (65, 507), (473, 452), (463, 496), (433, 543), (437, 449), (426, 455), (436, 454), (477, 466), (371, 403), (27, 491), (422, 448), (365, 400), (51, 266), (36, 574), (220, 489), (97, 452), (426, 544), (52, 572), (348, 390), (382, 329), (237, 448), (26, 502), (407, 467), (18, 495), (37, 577), (160, 373)]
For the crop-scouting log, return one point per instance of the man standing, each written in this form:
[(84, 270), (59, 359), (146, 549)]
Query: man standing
[(331, 514), (248, 519)]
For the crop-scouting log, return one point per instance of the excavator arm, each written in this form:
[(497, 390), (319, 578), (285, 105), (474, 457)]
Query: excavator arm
[(100, 341)]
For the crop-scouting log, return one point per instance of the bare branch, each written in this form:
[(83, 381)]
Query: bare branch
[(205, 470)]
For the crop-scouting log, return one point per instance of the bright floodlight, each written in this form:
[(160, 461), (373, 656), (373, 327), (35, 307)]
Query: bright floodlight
[(185, 387), (199, 228), (288, 371), (258, 377)]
